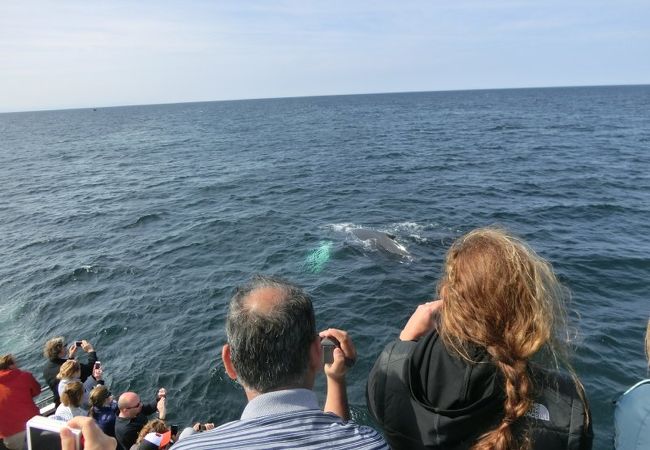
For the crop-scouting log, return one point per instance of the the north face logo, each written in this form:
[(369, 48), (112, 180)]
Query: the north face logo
[(539, 412)]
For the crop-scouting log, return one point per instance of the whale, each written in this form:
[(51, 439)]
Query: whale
[(381, 240)]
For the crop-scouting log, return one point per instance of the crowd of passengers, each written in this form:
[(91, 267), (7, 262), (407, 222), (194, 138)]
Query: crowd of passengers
[(479, 367)]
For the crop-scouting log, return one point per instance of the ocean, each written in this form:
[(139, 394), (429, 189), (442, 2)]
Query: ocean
[(131, 226)]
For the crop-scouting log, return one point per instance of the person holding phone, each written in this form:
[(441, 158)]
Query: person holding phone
[(275, 353), (133, 416), (56, 353), (189, 431), (70, 371)]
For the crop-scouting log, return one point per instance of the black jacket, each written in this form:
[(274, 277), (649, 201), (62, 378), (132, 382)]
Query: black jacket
[(426, 398), (127, 430), (51, 370)]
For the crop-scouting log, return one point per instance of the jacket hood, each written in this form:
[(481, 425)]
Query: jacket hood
[(462, 394), (8, 374)]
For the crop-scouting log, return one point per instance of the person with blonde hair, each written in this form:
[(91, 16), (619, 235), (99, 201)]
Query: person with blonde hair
[(632, 413), (56, 353), (70, 372), (71, 398), (17, 391), (471, 369)]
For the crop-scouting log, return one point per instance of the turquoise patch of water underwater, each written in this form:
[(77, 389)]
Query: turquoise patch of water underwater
[(317, 258)]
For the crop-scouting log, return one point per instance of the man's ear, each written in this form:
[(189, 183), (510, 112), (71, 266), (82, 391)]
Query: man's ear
[(315, 355), (227, 362)]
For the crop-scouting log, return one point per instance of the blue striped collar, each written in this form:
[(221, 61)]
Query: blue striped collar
[(280, 402)]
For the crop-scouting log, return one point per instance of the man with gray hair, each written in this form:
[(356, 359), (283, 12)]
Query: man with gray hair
[(274, 352)]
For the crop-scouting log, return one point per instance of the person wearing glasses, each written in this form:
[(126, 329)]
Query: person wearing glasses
[(133, 416), (103, 408)]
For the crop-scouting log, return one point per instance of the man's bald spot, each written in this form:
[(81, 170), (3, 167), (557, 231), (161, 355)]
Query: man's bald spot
[(128, 400), (263, 300)]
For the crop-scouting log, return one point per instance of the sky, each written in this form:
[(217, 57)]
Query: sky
[(57, 54)]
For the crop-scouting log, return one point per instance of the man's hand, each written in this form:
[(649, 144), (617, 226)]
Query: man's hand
[(422, 321), (72, 350), (94, 438), (161, 406), (97, 373), (87, 346), (346, 350), (337, 397), (206, 426)]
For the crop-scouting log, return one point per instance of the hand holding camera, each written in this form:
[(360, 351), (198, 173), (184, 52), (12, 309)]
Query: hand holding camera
[(44, 433), (339, 353), (97, 370)]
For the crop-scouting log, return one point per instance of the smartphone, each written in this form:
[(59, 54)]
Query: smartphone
[(77, 343), (328, 346), (98, 365), (43, 434), (174, 429)]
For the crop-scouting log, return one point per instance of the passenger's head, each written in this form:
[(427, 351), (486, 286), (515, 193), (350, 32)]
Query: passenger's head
[(7, 362), (99, 396), (500, 295), (271, 331), (54, 348), (647, 343), (153, 426), (73, 394), (69, 369), (129, 404)]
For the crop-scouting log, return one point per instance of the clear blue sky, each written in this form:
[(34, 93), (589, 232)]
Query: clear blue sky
[(83, 53)]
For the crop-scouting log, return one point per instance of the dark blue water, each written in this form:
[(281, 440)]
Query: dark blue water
[(130, 226)]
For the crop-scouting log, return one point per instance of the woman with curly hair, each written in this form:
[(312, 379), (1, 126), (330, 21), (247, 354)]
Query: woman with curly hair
[(153, 426), (478, 368)]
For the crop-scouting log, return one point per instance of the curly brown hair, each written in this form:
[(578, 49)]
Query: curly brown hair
[(153, 426), (647, 342), (53, 347), (6, 361)]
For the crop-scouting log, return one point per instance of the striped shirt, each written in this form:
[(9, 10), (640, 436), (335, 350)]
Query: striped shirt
[(288, 419)]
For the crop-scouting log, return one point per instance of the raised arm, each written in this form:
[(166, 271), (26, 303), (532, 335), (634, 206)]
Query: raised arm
[(422, 321), (337, 397)]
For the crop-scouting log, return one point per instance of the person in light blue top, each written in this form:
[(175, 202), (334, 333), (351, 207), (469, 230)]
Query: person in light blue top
[(632, 413), (274, 352)]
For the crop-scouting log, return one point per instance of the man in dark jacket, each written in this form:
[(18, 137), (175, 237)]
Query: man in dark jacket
[(133, 416), (55, 352)]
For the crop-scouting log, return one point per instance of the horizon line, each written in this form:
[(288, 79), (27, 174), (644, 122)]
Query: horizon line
[(320, 96)]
